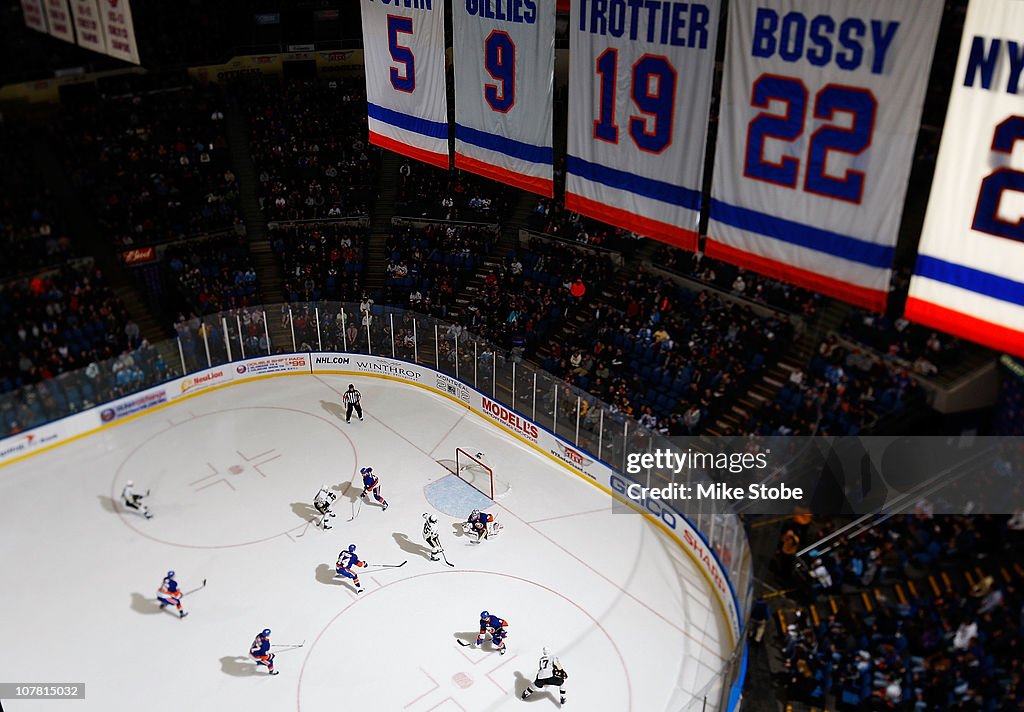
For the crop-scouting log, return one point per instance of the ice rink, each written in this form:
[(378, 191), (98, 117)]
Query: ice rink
[(232, 474)]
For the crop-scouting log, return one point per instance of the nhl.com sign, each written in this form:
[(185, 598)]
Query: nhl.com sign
[(573, 457)]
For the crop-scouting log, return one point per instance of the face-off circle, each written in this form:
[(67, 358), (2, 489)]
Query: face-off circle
[(212, 474)]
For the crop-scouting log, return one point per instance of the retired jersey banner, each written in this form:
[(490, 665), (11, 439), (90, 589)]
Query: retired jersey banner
[(504, 84), (35, 17), (58, 20), (640, 80), (118, 30), (969, 278), (87, 25), (821, 103), (407, 104)]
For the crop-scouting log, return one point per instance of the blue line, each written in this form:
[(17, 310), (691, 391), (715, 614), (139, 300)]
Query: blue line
[(506, 146), (812, 238), (975, 280), (632, 183), (424, 127)]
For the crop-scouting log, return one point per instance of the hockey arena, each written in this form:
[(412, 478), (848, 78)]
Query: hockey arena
[(231, 474)]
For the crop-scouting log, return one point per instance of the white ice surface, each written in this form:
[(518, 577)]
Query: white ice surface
[(232, 473)]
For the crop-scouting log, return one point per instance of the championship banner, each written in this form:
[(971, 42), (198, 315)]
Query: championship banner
[(969, 278), (35, 18), (639, 98), (87, 25), (58, 20), (821, 103), (116, 21), (404, 54), (504, 87)]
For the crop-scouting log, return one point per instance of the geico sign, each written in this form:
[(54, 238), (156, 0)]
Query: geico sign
[(655, 507)]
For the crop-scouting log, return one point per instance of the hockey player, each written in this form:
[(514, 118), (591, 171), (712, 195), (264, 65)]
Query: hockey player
[(322, 502), (549, 672), (347, 560), (260, 651), (495, 626), (371, 485), (133, 500), (351, 399), (482, 524), (432, 535), (170, 595)]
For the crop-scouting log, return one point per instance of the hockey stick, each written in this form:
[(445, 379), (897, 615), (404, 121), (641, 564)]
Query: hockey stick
[(200, 587), (388, 566), (356, 508), (446, 559), (288, 645), (463, 643), (303, 532)]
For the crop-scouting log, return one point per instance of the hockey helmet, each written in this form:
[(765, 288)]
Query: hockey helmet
[(266, 633), (129, 483), (351, 548), (170, 574), (366, 471), (485, 614)]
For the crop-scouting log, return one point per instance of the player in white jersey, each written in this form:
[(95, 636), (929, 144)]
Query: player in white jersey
[(549, 672), (322, 502), (133, 500), (432, 535)]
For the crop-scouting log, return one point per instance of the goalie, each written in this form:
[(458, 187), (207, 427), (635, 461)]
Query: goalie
[(482, 524), (322, 503)]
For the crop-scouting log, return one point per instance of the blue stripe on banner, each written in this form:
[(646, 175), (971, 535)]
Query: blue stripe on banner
[(975, 280), (812, 238), (629, 182), (507, 146), (424, 127)]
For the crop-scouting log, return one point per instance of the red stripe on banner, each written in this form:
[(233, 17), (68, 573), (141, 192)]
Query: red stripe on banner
[(861, 296), (996, 336), (673, 235), (544, 186), (420, 154)]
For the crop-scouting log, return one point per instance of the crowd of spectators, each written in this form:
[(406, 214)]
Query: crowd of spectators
[(31, 237), (209, 275), (425, 191), (429, 265), (551, 218), (536, 289), (923, 350), (308, 146), (742, 283), (155, 163), (1009, 417), (957, 650), (320, 260)]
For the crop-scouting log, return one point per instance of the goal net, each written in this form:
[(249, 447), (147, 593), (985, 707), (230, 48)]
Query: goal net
[(473, 468)]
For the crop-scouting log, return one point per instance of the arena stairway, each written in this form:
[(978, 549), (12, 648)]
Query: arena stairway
[(264, 261), (380, 224)]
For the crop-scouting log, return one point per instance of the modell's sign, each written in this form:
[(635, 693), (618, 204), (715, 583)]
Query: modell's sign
[(510, 420), (139, 256), (206, 379)]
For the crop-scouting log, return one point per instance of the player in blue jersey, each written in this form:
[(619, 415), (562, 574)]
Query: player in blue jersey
[(371, 485), (260, 651), (348, 560), (482, 524), (495, 626), (170, 595)]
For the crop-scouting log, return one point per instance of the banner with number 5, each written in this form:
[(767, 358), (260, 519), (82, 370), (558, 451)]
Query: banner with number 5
[(969, 278), (407, 104), (504, 83), (821, 104)]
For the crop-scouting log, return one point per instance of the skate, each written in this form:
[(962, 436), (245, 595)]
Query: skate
[(273, 672), (435, 558), (182, 614), (384, 507), (526, 693)]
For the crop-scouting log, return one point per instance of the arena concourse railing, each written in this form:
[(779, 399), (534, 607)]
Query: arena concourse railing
[(590, 425)]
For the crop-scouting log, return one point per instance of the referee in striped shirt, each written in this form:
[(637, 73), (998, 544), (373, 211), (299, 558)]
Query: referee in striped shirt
[(351, 399)]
